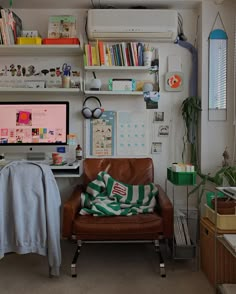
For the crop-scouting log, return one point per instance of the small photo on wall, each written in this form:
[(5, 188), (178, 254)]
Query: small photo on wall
[(158, 116), (163, 131), (156, 147)]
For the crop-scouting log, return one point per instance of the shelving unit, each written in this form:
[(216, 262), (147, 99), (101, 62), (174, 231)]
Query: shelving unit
[(223, 288), (37, 51), (127, 72), (185, 251), (40, 50), (132, 93), (71, 91), (115, 68), (187, 248), (218, 265)]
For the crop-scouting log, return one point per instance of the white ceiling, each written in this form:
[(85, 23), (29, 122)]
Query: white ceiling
[(87, 4)]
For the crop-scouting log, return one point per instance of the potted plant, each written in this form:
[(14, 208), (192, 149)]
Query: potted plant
[(190, 108), (226, 175)]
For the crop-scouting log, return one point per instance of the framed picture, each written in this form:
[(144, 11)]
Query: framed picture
[(163, 131), (158, 116), (156, 147)]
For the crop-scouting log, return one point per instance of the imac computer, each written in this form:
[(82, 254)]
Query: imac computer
[(33, 128)]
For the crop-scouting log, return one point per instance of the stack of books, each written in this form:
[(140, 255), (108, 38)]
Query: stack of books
[(10, 27), (119, 54)]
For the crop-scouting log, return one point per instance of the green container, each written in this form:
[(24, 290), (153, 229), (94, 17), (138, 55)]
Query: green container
[(181, 178), (211, 195)]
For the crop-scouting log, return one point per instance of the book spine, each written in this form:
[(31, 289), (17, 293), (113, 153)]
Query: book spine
[(135, 54), (5, 26), (124, 53), (186, 231), (112, 56), (94, 56), (131, 54), (140, 54), (97, 53), (109, 55), (118, 55), (3, 32), (101, 52)]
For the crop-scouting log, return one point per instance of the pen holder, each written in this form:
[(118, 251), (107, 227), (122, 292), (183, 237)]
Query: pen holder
[(65, 81), (147, 58)]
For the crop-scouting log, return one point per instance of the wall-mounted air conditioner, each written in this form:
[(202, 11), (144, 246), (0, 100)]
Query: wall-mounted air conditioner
[(132, 24)]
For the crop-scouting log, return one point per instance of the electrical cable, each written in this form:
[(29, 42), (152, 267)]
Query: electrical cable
[(93, 6), (196, 35), (86, 27), (181, 35)]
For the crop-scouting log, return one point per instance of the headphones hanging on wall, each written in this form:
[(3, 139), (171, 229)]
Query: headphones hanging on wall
[(92, 113)]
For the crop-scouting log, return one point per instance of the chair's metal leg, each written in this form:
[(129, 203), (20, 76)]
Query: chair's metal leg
[(162, 264), (74, 261)]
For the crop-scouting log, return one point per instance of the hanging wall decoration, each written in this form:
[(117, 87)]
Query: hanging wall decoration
[(218, 39), (174, 81)]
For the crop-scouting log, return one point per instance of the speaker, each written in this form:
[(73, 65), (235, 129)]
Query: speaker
[(92, 113)]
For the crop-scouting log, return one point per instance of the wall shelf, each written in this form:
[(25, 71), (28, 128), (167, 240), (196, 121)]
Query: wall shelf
[(74, 91), (40, 50), (131, 93), (107, 68)]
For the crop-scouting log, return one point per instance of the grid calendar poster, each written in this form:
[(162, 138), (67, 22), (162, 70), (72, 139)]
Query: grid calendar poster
[(131, 133), (102, 134)]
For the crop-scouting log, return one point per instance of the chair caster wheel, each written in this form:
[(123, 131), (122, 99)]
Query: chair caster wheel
[(163, 276), (74, 276)]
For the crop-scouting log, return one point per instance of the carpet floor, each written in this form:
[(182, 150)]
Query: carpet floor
[(102, 269)]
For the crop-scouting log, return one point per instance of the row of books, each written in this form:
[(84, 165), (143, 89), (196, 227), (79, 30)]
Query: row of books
[(119, 54), (10, 26), (181, 231)]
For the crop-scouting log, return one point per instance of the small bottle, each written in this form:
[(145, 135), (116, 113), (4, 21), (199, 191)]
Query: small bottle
[(79, 153)]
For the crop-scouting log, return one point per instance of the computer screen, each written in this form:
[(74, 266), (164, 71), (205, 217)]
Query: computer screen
[(33, 124)]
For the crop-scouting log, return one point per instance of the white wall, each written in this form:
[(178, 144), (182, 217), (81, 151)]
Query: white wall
[(214, 135)]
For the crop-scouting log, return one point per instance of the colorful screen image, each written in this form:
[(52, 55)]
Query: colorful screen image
[(34, 122)]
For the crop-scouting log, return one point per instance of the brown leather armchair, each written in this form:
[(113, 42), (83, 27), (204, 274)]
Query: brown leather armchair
[(151, 227)]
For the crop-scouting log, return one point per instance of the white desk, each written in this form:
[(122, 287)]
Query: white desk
[(73, 170)]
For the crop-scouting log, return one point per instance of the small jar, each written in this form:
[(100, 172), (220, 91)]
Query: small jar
[(79, 153)]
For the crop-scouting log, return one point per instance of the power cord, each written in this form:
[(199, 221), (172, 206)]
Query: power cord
[(181, 34)]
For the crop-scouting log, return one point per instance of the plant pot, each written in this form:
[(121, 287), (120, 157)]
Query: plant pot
[(225, 205)]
